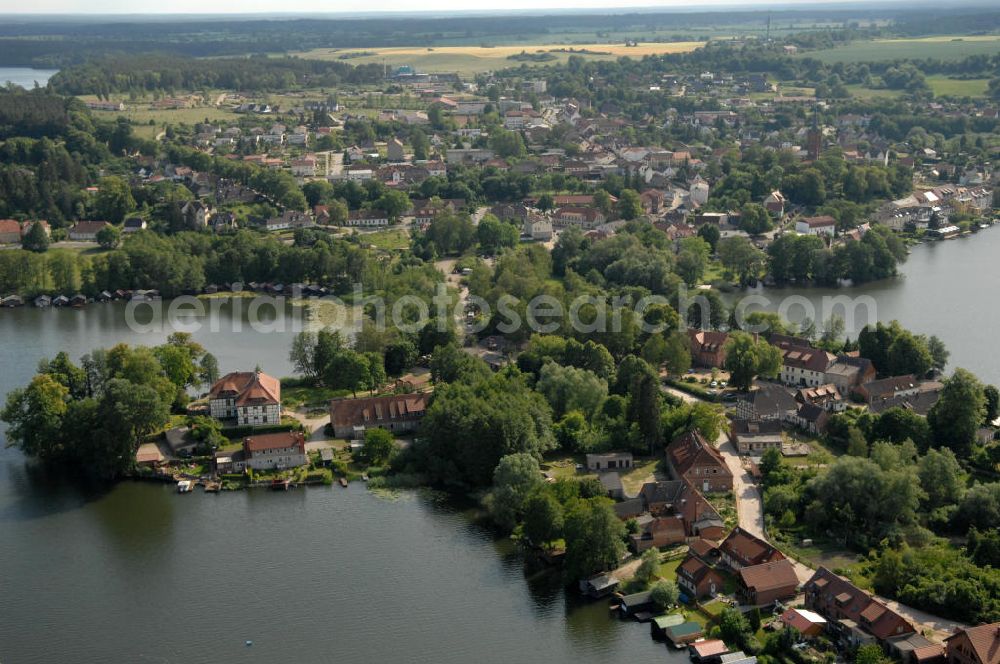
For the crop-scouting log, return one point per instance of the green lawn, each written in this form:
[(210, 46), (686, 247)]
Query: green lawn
[(294, 397), (395, 239), (941, 85), (668, 569)]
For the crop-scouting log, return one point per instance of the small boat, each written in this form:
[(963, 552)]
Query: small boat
[(184, 486), (343, 482), (280, 484)]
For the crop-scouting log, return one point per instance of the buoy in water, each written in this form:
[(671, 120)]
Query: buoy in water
[(249, 643)]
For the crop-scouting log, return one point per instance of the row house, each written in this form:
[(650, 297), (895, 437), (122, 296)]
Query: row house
[(366, 218)]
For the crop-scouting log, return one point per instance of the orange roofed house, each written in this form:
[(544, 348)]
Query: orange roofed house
[(693, 458), (251, 397), (741, 549), (395, 412)]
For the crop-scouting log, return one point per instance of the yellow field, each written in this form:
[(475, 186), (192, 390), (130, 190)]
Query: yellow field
[(476, 59)]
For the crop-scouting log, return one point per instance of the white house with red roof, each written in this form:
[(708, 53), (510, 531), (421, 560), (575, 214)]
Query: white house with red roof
[(251, 397)]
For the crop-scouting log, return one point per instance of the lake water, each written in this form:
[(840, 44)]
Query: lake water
[(26, 76), (138, 573), (946, 289)]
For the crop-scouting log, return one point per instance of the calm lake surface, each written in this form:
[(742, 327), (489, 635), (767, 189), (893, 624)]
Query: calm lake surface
[(26, 76), (137, 573)]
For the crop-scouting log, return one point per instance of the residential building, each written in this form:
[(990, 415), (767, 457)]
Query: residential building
[(856, 617), (888, 388), (807, 623), (974, 645), (708, 348), (678, 498), (697, 578), (754, 437), (823, 225), (767, 583), (367, 218), (134, 225), (396, 412), (10, 231), (249, 397), (804, 366), (86, 231), (848, 372), (587, 218), (394, 150), (610, 461), (691, 457), (742, 549), (275, 451), (827, 397), (538, 228)]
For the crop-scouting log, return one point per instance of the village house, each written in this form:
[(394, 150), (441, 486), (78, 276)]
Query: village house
[(847, 372), (802, 365), (810, 417), (587, 218), (691, 457), (10, 231), (742, 549), (856, 618), (824, 225), (397, 413), (708, 348), (807, 623), (272, 451), (367, 218), (974, 645), (249, 397), (754, 437), (826, 396), (86, 231), (775, 203), (888, 388), (670, 513), (697, 578), (767, 583)]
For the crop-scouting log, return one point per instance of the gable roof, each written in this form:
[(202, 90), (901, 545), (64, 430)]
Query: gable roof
[(769, 576), (690, 450), (274, 441), (748, 549), (984, 640), (871, 615)]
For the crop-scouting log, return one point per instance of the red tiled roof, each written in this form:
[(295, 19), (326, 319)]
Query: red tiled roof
[(749, 549), (770, 576), (984, 640), (691, 450), (275, 441)]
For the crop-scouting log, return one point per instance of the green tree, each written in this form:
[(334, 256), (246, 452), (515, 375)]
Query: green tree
[(941, 477), (748, 357), (594, 538), (665, 595), (870, 654), (36, 239), (109, 237), (741, 258), (629, 204), (379, 445), (516, 478), (649, 567), (34, 416), (114, 200), (692, 259), (958, 413), (543, 518), (569, 388)]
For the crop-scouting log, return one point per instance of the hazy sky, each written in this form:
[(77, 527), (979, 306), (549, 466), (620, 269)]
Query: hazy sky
[(272, 6)]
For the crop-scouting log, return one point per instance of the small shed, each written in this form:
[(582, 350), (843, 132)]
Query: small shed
[(43, 301), (685, 633), (326, 456), (658, 625)]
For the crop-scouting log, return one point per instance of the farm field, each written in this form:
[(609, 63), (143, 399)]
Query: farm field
[(470, 60), (941, 86), (945, 48)]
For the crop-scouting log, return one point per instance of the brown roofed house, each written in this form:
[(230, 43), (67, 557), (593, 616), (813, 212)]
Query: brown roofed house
[(708, 348), (837, 599), (974, 645), (252, 397), (394, 412), (693, 458), (767, 583), (742, 549)]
